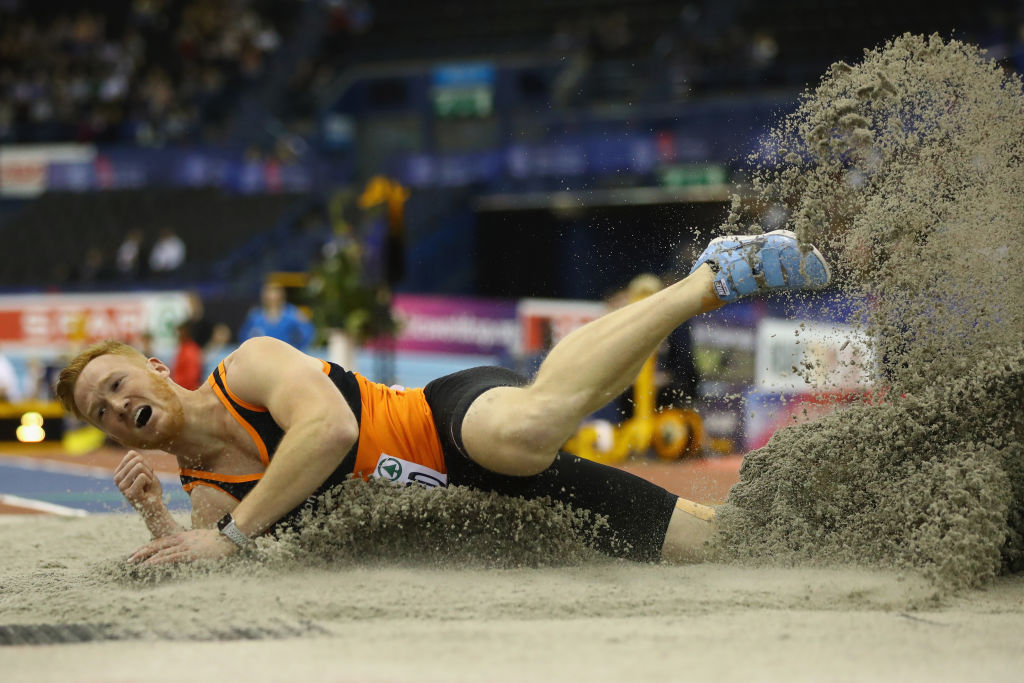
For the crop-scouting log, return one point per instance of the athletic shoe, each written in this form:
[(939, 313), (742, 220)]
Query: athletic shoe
[(753, 264)]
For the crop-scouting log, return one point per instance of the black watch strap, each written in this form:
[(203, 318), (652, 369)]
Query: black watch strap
[(227, 527)]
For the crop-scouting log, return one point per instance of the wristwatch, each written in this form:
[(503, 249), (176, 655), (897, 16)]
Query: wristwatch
[(228, 527)]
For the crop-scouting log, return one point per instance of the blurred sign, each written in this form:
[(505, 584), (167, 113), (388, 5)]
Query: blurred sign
[(65, 321), (24, 168), (30, 170), (688, 175), (463, 89), (765, 412), (456, 325), (804, 370), (811, 356), (545, 321)]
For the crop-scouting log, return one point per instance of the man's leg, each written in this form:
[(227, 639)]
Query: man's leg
[(689, 530), (517, 431)]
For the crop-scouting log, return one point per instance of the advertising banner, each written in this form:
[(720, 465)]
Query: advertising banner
[(811, 356), (803, 370), (24, 168), (59, 322), (545, 321), (456, 325)]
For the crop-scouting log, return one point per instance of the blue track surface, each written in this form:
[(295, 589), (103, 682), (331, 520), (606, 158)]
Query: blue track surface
[(83, 488)]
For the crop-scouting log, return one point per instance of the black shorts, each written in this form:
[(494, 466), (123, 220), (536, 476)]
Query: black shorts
[(638, 512)]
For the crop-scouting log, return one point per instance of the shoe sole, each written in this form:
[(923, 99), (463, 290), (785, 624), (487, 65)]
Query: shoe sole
[(785, 233)]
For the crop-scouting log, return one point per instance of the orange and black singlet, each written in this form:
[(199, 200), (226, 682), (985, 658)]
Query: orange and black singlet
[(397, 438)]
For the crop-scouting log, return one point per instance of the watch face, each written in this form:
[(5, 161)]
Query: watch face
[(224, 521)]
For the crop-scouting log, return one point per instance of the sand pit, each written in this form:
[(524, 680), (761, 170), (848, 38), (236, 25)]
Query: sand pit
[(599, 620)]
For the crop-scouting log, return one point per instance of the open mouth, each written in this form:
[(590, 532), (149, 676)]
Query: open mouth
[(142, 416)]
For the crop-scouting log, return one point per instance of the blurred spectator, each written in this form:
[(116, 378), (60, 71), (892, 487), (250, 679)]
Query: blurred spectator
[(218, 346), (146, 344), (10, 388), (168, 252), (94, 266), (201, 327), (128, 255), (187, 370), (151, 76), (277, 318), (38, 380), (220, 339)]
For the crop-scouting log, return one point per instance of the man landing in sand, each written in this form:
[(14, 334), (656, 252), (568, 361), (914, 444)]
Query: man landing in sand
[(275, 428)]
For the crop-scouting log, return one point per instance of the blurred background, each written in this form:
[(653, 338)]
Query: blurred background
[(411, 188)]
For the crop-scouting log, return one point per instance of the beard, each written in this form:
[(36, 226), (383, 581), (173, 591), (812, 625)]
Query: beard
[(173, 418)]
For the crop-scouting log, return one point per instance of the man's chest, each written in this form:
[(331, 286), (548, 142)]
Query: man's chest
[(240, 449)]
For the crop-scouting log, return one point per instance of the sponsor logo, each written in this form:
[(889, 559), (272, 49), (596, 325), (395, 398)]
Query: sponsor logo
[(389, 468), (398, 471), (426, 480), (721, 288)]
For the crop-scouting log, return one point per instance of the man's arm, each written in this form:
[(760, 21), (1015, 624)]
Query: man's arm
[(319, 430), (208, 506), (139, 484), (319, 427)]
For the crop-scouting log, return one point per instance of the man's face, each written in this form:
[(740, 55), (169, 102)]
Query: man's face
[(273, 296), (130, 400)]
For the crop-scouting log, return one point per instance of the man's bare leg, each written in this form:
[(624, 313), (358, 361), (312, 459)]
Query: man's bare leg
[(691, 527), (518, 431)]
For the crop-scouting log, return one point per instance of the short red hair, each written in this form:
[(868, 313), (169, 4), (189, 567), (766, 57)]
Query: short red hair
[(65, 386)]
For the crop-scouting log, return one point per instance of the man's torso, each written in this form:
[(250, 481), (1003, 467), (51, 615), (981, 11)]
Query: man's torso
[(398, 441)]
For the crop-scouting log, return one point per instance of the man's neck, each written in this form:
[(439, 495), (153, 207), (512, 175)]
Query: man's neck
[(203, 431)]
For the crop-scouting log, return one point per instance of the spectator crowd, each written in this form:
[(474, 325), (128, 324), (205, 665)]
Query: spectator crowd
[(145, 72)]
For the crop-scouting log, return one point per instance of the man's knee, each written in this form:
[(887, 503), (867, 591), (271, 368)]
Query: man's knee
[(514, 447), (507, 432)]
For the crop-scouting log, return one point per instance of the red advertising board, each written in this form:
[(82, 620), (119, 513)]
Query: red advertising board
[(63, 321), (543, 322)]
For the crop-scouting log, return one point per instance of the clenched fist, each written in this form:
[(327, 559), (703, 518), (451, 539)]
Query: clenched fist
[(138, 482)]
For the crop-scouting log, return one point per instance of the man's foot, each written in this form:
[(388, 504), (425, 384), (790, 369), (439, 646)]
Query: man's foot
[(752, 264)]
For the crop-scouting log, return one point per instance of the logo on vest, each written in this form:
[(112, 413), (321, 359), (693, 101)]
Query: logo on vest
[(398, 471), (389, 468)]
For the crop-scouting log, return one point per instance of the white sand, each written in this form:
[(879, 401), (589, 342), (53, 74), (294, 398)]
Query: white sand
[(605, 621)]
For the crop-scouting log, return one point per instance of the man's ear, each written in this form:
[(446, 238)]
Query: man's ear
[(158, 366)]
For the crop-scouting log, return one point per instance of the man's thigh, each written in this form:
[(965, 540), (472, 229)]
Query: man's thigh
[(457, 402), (637, 512)]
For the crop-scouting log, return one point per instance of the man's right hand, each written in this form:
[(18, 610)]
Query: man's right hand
[(138, 482)]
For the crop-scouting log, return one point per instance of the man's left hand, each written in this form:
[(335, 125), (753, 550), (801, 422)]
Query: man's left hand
[(187, 546)]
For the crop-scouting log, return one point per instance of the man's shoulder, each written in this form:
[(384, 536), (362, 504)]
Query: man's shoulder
[(262, 351), (252, 348), (253, 363)]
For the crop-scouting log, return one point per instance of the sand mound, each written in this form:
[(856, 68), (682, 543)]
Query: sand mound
[(375, 523), (906, 169)]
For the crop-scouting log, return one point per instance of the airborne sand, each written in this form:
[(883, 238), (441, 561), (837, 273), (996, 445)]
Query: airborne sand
[(907, 170)]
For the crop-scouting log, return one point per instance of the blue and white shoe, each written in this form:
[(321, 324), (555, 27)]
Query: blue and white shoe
[(754, 264)]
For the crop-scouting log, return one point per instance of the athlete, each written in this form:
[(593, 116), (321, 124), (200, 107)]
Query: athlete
[(274, 428)]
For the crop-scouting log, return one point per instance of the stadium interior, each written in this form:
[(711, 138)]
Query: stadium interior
[(510, 155)]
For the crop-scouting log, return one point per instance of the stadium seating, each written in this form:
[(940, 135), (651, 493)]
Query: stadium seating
[(264, 75), (214, 225)]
